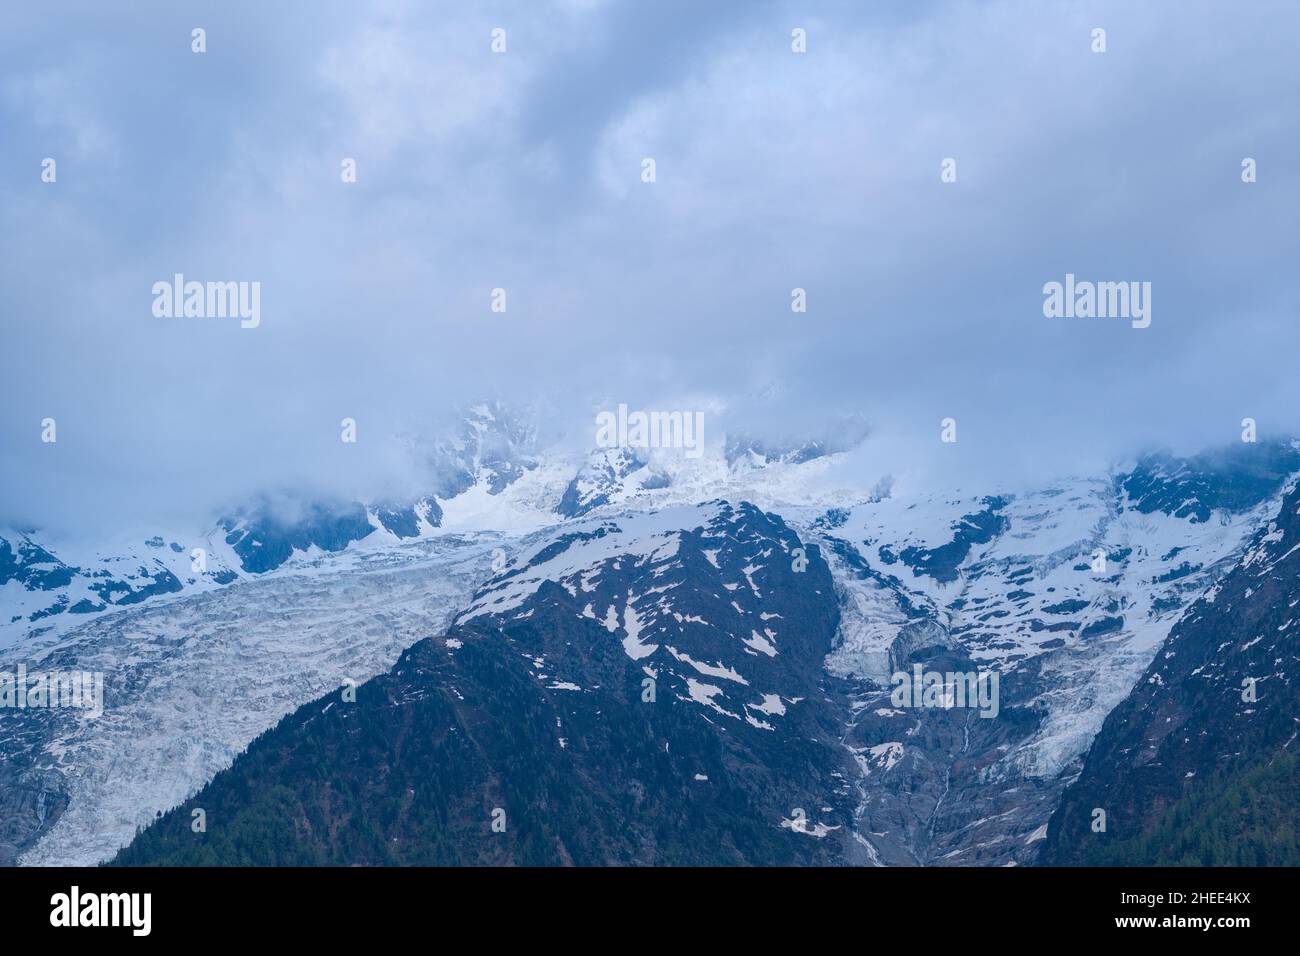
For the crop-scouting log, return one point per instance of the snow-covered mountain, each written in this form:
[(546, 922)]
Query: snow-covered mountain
[(487, 471), (42, 579), (642, 689), (1197, 765), (1066, 594), (707, 576), (53, 583)]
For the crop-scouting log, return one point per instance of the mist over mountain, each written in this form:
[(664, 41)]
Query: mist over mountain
[(521, 171)]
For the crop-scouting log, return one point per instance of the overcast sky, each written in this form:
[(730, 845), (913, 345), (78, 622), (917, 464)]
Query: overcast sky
[(522, 170)]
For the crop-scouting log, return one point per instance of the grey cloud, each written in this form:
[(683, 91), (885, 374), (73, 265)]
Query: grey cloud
[(775, 171)]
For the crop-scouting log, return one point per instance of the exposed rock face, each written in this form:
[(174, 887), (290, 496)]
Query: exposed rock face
[(606, 473), (30, 802), (646, 690), (40, 585)]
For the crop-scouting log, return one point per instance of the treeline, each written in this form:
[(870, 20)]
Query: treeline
[(1246, 819)]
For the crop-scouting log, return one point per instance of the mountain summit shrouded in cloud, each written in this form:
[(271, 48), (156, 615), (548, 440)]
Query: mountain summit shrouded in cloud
[(523, 171)]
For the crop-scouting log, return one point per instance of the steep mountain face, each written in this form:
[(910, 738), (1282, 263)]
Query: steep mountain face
[(1197, 765), (640, 690), (264, 539), (738, 467), (489, 445), (1230, 479), (1065, 594), (41, 582), (748, 451), (608, 475)]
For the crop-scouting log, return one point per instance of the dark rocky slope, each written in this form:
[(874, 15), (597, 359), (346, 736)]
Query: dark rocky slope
[(537, 714)]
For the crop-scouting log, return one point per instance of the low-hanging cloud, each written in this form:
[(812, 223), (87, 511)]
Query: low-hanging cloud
[(523, 171)]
